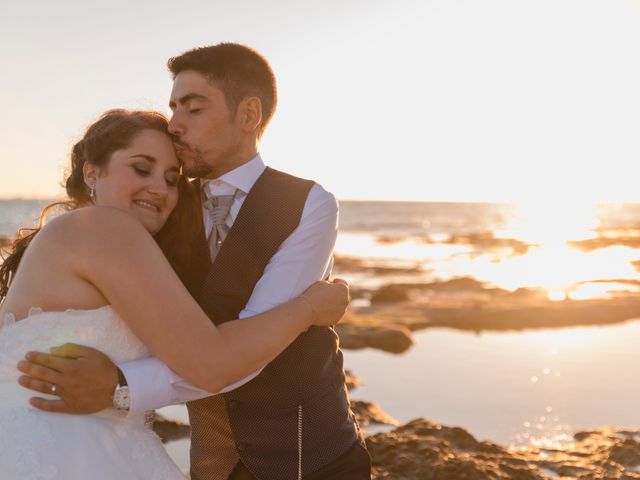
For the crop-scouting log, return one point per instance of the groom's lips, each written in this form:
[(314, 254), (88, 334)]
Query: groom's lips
[(181, 149)]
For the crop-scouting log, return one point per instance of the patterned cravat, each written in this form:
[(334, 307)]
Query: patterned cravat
[(218, 207)]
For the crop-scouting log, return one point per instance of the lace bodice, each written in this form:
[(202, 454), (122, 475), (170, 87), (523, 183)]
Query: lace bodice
[(99, 328), (36, 445)]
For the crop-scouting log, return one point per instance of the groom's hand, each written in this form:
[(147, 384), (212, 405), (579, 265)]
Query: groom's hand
[(84, 379)]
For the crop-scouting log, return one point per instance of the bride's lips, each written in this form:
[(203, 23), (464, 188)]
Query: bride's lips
[(148, 205)]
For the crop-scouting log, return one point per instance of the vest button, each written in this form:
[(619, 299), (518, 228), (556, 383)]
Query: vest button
[(242, 446)]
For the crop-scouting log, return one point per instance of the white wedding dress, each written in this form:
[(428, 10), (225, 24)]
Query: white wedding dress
[(37, 445)]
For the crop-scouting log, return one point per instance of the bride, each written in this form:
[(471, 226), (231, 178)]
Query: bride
[(108, 276)]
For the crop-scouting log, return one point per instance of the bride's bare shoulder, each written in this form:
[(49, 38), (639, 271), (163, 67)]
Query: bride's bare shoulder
[(90, 223)]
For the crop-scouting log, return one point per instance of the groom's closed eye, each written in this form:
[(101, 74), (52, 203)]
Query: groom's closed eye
[(187, 101), (195, 105)]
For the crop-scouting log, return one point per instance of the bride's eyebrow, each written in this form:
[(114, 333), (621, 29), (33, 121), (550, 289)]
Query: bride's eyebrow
[(146, 157)]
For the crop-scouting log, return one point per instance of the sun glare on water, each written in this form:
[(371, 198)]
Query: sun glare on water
[(541, 245)]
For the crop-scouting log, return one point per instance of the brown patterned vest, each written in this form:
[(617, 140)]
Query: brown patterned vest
[(293, 418)]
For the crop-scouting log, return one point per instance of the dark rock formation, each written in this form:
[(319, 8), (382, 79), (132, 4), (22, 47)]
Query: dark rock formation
[(169, 430), (466, 304), (488, 241), (424, 450), (390, 338), (605, 242), (390, 294), (352, 380), (368, 413)]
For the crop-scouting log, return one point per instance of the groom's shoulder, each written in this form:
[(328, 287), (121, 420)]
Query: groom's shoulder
[(318, 196)]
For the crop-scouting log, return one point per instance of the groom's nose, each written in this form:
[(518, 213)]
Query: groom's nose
[(176, 127)]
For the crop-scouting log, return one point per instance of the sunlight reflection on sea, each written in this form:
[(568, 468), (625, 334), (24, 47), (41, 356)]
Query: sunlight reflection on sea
[(532, 246)]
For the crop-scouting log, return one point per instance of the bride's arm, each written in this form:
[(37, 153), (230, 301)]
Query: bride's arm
[(112, 251)]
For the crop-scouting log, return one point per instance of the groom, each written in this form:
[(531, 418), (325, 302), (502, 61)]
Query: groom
[(267, 236)]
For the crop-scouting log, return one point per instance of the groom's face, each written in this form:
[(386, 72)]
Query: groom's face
[(206, 135)]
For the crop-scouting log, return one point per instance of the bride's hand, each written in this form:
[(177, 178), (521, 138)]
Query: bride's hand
[(328, 300)]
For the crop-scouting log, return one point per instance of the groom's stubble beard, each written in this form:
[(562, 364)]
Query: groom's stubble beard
[(199, 167), (193, 162), (225, 161)]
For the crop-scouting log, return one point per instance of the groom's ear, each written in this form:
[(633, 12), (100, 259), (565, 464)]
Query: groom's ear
[(250, 114)]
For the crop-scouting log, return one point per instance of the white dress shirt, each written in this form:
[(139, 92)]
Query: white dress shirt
[(303, 258)]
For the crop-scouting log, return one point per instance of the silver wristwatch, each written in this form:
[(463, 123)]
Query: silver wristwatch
[(121, 394), (121, 398)]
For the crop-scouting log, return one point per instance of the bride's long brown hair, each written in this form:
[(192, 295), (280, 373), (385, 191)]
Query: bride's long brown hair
[(115, 130)]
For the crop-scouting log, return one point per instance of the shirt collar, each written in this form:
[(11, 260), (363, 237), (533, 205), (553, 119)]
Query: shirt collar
[(242, 177)]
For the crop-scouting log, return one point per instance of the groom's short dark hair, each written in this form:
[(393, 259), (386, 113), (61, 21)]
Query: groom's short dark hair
[(237, 70)]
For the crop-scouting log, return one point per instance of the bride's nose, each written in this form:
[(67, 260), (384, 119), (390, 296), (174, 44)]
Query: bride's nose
[(158, 187)]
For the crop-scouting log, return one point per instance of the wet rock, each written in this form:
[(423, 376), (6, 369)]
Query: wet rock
[(488, 241), (359, 265), (169, 430), (626, 453), (390, 294), (368, 413), (352, 380), (424, 450), (390, 338), (467, 304), (592, 244), (390, 239), (459, 283)]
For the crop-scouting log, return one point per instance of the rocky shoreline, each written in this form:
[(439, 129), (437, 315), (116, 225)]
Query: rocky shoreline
[(423, 450), (384, 318)]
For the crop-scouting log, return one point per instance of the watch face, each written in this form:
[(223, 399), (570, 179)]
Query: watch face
[(121, 398)]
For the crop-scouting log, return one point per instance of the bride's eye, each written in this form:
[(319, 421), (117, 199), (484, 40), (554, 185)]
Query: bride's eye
[(172, 181), (142, 171)]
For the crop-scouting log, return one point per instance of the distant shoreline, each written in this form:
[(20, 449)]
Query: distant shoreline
[(375, 201)]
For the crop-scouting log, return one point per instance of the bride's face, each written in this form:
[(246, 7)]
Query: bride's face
[(141, 179)]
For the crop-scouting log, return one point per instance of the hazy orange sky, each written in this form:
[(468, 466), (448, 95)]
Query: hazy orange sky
[(492, 100)]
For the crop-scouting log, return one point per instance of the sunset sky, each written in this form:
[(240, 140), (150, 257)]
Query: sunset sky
[(464, 100)]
